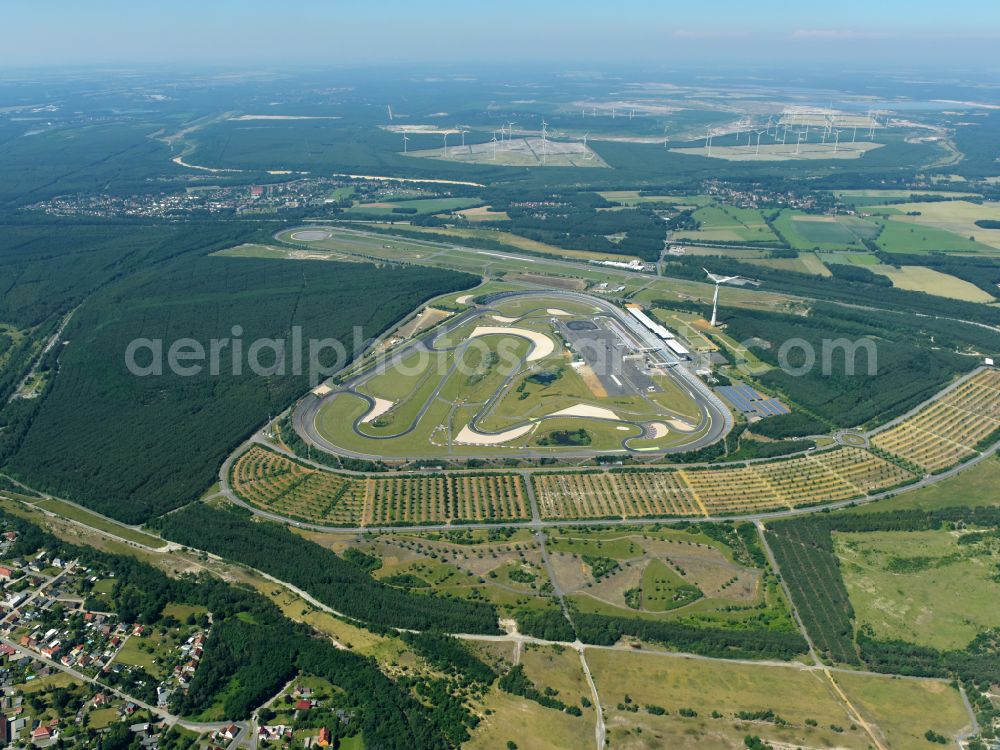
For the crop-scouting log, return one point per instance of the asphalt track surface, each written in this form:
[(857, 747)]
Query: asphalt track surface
[(715, 420)]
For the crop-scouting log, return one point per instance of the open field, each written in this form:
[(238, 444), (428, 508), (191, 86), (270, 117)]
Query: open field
[(416, 206), (958, 217), (899, 235), (921, 586), (782, 151), (813, 712), (948, 430), (99, 522), (920, 279), (973, 487), (530, 151), (634, 198), (824, 233), (729, 224)]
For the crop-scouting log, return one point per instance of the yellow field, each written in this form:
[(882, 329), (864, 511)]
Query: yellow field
[(921, 279), (816, 478), (948, 430)]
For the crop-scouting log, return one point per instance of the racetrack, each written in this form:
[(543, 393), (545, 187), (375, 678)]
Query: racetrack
[(714, 419)]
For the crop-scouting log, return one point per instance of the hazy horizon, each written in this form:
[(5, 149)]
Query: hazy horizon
[(894, 33)]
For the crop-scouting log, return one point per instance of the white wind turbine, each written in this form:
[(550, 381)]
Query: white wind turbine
[(406, 139), (717, 280)]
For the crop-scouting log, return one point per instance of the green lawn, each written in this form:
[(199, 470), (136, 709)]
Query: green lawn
[(99, 522), (922, 586), (915, 239)]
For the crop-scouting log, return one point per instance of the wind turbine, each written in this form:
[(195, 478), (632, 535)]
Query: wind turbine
[(665, 135), (587, 155), (836, 144), (717, 280), (389, 107), (545, 133), (406, 139), (445, 134), (494, 145), (759, 134), (798, 144), (510, 132)]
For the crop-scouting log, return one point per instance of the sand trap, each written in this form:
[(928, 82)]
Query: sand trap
[(504, 319), (543, 345), (585, 410), (622, 428), (463, 299), (680, 426), (322, 389), (659, 430), (557, 311), (310, 235), (382, 405), (469, 437)]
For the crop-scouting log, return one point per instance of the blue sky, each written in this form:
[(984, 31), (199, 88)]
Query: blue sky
[(335, 32)]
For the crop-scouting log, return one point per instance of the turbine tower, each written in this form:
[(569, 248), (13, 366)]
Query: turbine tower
[(717, 280), (406, 140)]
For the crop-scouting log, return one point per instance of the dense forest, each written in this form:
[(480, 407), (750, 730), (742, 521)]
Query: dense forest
[(909, 364), (337, 583), (132, 447)]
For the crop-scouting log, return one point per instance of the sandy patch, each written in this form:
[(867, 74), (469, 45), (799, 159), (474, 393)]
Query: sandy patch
[(468, 437), (322, 389), (483, 213), (430, 316), (659, 430), (245, 118), (680, 425), (543, 345), (382, 405), (504, 319), (464, 299), (622, 428), (557, 311), (591, 380), (585, 410)]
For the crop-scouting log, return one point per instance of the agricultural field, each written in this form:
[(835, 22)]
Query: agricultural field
[(950, 429), (276, 483), (677, 702), (957, 217), (934, 588), (728, 224), (825, 476), (824, 233), (911, 238), (930, 281)]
